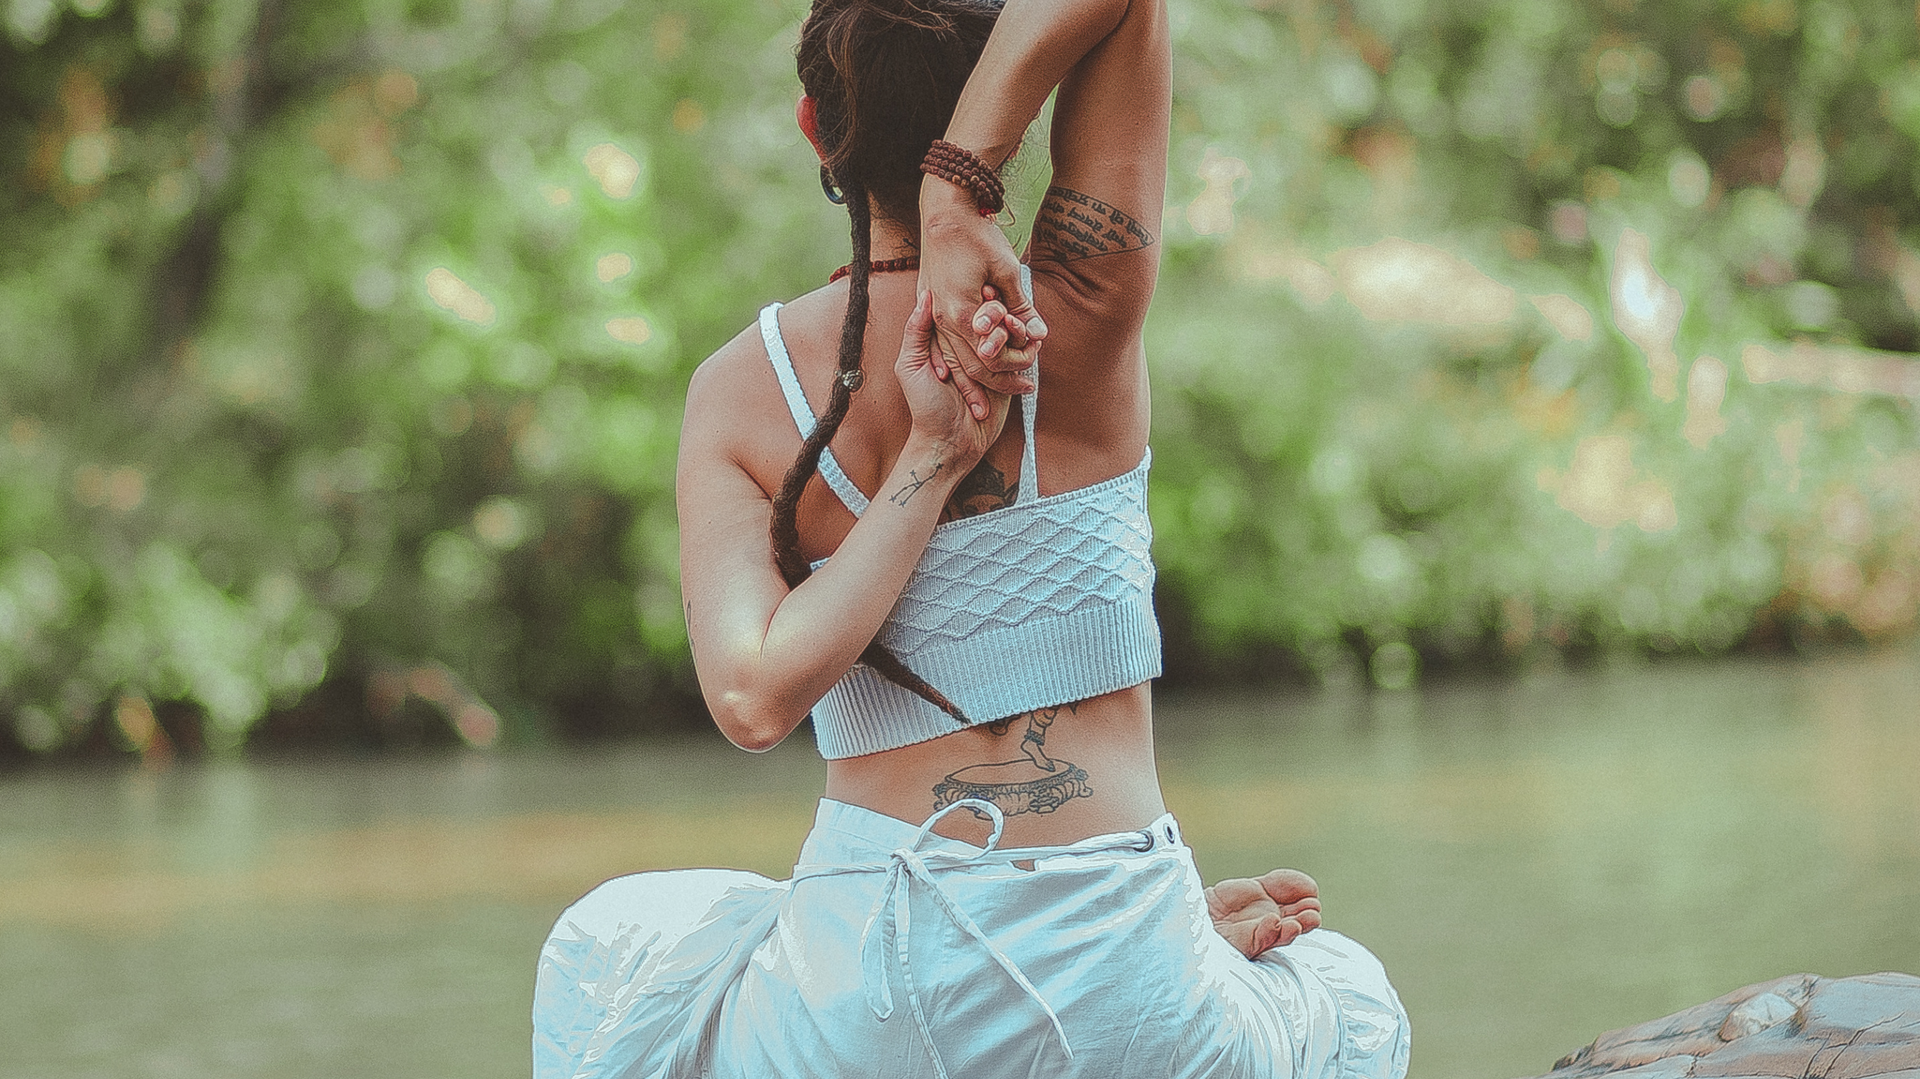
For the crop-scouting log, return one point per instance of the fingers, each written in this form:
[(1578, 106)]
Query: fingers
[(916, 343), (997, 329), (993, 346), (990, 345), (919, 335), (1287, 885), (990, 313), (1270, 912), (993, 312), (1233, 894), (998, 349), (940, 357), (1020, 304), (1268, 934), (961, 357), (1275, 931), (970, 390), (1258, 935)]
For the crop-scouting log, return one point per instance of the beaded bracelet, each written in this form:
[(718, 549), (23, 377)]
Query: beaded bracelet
[(963, 168)]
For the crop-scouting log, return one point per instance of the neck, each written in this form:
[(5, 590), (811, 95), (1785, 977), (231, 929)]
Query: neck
[(891, 239)]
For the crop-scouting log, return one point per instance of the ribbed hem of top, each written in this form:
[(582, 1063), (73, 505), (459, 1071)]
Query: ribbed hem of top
[(1067, 658)]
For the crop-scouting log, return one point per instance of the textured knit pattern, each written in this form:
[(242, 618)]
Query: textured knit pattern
[(1047, 601)]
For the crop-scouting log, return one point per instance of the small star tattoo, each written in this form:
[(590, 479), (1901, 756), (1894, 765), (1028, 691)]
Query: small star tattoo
[(905, 494)]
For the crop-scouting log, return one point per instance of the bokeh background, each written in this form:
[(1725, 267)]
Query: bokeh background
[(342, 350), (345, 343)]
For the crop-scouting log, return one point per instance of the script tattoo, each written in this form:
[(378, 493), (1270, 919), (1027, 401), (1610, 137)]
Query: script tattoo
[(1073, 226), (1034, 784), (905, 494), (983, 490)]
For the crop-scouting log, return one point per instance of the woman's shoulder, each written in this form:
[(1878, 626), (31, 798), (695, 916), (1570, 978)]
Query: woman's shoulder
[(734, 392), (747, 355), (729, 370)]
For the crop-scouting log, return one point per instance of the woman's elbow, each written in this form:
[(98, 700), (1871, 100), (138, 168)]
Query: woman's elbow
[(752, 723)]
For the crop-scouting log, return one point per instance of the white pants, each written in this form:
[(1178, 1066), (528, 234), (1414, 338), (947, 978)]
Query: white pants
[(896, 952)]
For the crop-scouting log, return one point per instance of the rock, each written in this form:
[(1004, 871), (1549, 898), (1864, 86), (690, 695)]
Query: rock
[(1798, 1027), (1756, 1015)]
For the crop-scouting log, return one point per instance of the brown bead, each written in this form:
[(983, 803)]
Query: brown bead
[(964, 169)]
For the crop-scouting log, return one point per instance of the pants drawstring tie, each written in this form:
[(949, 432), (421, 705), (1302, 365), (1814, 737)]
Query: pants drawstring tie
[(908, 869)]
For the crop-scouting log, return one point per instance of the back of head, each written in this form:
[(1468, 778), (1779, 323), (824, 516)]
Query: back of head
[(885, 76)]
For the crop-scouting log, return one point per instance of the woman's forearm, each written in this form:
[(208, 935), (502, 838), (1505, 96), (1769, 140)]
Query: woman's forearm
[(1034, 44), (820, 628)]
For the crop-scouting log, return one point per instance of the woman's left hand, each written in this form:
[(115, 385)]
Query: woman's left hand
[(1268, 912), (941, 411)]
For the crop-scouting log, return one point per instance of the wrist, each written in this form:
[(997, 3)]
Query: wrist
[(967, 171), (935, 461), (943, 203)]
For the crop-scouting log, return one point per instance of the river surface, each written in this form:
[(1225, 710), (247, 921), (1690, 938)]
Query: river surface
[(1536, 860)]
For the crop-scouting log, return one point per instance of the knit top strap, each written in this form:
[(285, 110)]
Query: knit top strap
[(1029, 404), (830, 469)]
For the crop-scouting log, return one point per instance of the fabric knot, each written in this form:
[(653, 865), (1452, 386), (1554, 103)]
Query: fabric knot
[(891, 923)]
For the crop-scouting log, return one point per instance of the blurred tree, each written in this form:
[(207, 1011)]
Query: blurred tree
[(341, 346)]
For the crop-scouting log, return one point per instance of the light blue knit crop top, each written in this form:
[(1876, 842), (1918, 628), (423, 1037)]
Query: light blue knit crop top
[(1046, 601)]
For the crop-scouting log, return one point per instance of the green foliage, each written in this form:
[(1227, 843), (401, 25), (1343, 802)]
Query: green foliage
[(344, 344), (1466, 470)]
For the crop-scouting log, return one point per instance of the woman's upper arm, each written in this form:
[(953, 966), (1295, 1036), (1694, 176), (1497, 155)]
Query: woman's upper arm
[(1098, 228), (728, 581)]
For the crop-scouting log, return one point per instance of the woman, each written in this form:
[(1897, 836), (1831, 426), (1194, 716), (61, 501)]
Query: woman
[(958, 589)]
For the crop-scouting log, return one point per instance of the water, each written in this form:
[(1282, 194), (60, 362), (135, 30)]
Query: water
[(1535, 860)]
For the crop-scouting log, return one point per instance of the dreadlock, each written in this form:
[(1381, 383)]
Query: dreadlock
[(885, 76)]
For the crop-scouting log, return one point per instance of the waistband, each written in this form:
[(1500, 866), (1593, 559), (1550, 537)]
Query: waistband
[(912, 857), (848, 832)]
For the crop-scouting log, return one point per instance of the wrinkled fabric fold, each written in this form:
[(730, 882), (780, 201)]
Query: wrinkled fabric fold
[(892, 914), (1087, 959), (650, 997)]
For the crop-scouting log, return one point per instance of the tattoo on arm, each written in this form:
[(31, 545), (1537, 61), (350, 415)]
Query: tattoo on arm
[(1073, 226), (906, 492), (983, 490), (1035, 784)]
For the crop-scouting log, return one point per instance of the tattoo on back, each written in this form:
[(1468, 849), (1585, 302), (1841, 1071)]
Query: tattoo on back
[(1072, 226), (983, 490), (1036, 783)]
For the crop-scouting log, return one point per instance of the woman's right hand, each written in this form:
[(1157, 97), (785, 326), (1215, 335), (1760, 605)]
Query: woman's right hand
[(942, 412), (965, 258)]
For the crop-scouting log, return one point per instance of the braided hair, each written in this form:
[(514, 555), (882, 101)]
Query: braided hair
[(885, 76)]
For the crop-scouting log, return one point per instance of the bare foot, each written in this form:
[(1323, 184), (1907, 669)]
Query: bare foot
[(1255, 915)]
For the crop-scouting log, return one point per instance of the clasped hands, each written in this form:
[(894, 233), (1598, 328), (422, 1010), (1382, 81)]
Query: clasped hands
[(987, 333), (973, 338)]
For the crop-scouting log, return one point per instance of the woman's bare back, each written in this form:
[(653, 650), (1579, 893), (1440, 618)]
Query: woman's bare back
[(1060, 774)]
